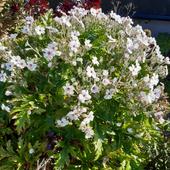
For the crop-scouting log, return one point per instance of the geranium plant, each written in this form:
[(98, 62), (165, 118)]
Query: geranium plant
[(80, 91)]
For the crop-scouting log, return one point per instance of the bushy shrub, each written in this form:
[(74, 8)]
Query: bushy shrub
[(80, 92)]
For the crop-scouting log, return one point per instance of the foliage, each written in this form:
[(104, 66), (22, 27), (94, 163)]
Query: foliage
[(163, 40), (80, 91)]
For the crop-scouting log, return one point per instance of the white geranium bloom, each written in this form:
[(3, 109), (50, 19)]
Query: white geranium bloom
[(5, 108), (73, 115), (84, 96), (152, 96), (3, 76), (118, 124), (15, 60), (52, 46), (116, 17), (64, 20), (159, 117), (167, 60), (52, 29), (114, 80), (39, 30), (109, 94), (13, 36), (2, 48), (62, 123), (8, 93), (88, 119), (154, 79), (9, 66), (21, 64), (75, 34), (130, 130), (95, 61), (31, 151), (25, 29), (105, 73), (31, 65), (89, 133), (29, 20), (68, 89), (90, 72), (146, 79), (106, 81), (135, 68), (74, 45), (49, 54), (87, 43), (95, 89), (129, 45), (94, 12)]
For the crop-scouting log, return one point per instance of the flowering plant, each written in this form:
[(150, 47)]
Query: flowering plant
[(80, 91)]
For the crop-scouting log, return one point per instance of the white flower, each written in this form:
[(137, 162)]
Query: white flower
[(8, 93), (52, 46), (73, 115), (88, 119), (116, 17), (89, 133), (84, 96), (112, 69), (154, 79), (29, 20), (39, 30), (62, 123), (26, 30), (64, 20), (58, 53), (94, 12), (95, 89), (150, 97), (49, 54), (118, 124), (5, 108), (2, 48), (29, 112), (21, 64), (114, 80), (80, 60), (105, 73), (75, 34), (31, 65), (95, 61), (109, 94), (90, 72), (106, 81), (3, 76), (74, 45), (167, 60), (135, 68), (50, 64), (9, 66), (87, 44), (31, 151), (159, 117), (13, 36), (15, 60), (68, 89), (129, 45), (52, 29), (130, 130)]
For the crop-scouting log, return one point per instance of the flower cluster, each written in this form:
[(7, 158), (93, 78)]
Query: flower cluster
[(95, 74)]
